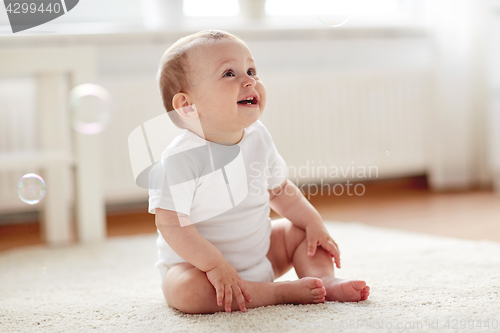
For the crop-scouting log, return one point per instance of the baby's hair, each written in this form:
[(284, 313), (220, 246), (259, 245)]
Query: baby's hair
[(172, 74)]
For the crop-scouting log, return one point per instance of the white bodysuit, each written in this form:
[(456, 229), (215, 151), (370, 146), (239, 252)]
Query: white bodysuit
[(229, 206)]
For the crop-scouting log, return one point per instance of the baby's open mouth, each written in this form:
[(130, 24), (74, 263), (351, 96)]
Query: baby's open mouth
[(248, 101)]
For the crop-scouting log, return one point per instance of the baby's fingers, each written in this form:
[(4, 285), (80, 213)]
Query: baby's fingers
[(240, 298), (229, 297), (334, 251), (245, 292), (220, 294), (311, 247)]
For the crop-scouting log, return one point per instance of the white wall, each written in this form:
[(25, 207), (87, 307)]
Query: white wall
[(456, 124)]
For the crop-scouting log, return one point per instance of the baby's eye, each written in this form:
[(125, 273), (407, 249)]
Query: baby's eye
[(251, 70)]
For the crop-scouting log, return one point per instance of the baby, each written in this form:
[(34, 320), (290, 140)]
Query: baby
[(218, 248)]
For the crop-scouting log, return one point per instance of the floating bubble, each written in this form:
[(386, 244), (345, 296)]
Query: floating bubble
[(387, 152), (90, 108), (334, 20), (333, 13), (31, 188)]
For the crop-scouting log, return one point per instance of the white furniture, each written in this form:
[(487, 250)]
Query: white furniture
[(62, 149), (494, 141)]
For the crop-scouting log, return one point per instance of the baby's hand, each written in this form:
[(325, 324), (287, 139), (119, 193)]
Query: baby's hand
[(227, 282), (317, 235)]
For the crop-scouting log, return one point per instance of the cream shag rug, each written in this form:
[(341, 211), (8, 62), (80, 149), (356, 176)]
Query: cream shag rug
[(418, 283)]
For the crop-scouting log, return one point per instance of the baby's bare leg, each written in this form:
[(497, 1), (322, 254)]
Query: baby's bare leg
[(187, 289), (321, 265), (289, 246)]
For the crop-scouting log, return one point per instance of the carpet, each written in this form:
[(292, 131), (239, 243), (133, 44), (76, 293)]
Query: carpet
[(418, 283)]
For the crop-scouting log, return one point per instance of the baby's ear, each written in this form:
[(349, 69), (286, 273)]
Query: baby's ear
[(183, 108), (188, 112), (179, 101)]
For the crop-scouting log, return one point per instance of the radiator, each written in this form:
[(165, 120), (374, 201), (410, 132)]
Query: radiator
[(349, 122), (329, 126)]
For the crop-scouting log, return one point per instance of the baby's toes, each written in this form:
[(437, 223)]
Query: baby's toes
[(318, 291), (313, 283), (365, 293), (359, 285), (319, 299), (323, 294)]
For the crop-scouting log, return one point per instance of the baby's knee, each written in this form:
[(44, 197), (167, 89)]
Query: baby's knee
[(295, 235), (188, 291)]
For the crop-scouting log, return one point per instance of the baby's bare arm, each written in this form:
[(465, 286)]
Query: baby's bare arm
[(186, 241), (288, 201), (195, 249)]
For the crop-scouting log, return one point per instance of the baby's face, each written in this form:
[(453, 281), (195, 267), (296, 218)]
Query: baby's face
[(222, 73)]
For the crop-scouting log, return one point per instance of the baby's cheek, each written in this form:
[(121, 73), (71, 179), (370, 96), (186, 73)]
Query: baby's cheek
[(262, 102)]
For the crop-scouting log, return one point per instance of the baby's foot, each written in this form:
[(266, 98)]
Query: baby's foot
[(345, 290), (304, 291)]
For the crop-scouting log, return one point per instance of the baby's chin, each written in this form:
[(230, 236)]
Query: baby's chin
[(252, 113), (251, 120)]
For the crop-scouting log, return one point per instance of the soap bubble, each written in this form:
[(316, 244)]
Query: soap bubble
[(90, 108), (387, 152), (31, 188), (334, 20), (333, 13)]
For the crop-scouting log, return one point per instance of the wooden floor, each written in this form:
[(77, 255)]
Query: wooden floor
[(405, 204)]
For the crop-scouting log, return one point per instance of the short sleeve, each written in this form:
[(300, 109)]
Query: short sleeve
[(277, 168), (172, 184)]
